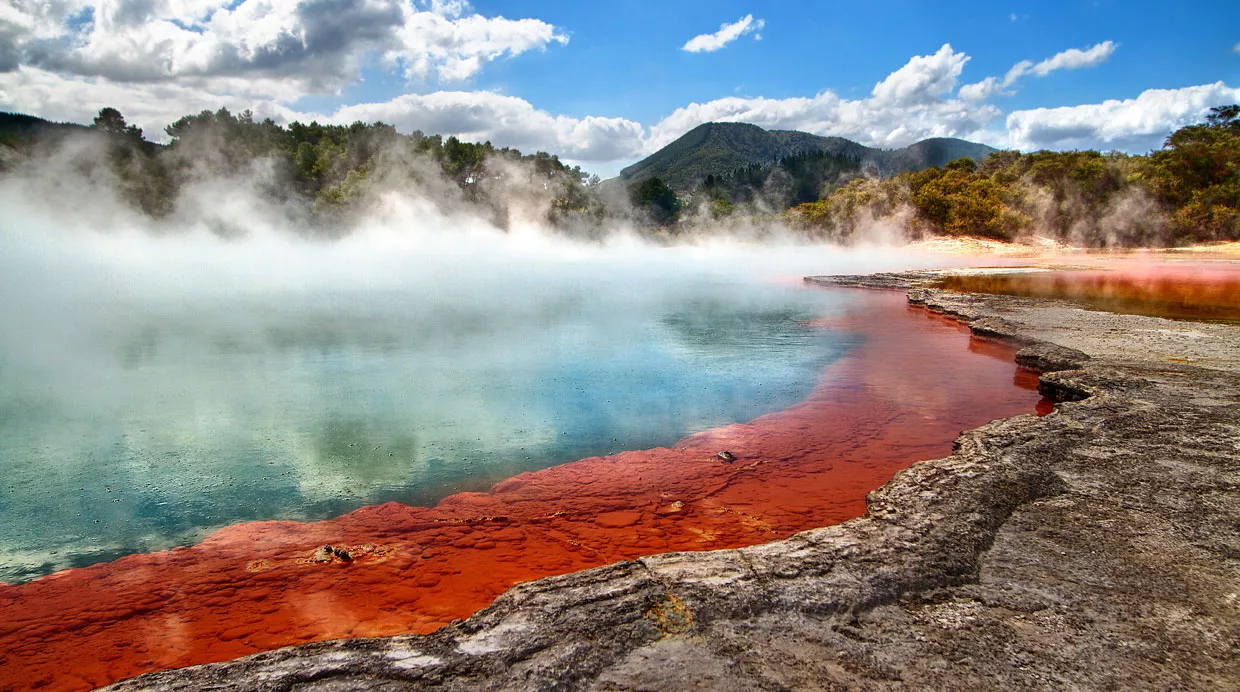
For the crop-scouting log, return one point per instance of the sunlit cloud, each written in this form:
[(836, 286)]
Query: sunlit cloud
[(727, 33), (312, 46), (1071, 59), (1135, 125), (158, 60)]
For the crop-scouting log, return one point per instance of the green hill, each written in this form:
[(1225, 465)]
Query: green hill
[(16, 127), (718, 148)]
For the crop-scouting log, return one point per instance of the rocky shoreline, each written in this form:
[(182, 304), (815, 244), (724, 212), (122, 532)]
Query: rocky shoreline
[(1097, 547)]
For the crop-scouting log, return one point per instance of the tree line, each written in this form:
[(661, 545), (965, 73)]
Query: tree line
[(1187, 191), (326, 171), (755, 189)]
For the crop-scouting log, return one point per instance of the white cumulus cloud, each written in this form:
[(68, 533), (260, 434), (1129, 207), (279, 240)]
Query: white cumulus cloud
[(1071, 59), (916, 101), (1075, 59), (1135, 125), (911, 103), (980, 91), (315, 46), (923, 79), (457, 47), (706, 43), (504, 121), (149, 105)]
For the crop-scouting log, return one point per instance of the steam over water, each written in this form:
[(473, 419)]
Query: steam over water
[(157, 383)]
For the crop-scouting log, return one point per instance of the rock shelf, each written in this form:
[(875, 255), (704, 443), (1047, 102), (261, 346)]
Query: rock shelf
[(259, 586), (1094, 548)]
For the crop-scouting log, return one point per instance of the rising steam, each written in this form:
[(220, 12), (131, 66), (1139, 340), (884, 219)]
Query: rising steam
[(163, 376)]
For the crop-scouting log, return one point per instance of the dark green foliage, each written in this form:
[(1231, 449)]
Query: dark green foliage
[(788, 181), (331, 170), (24, 127), (111, 123), (1224, 118), (930, 153), (657, 199), (1189, 191), (1186, 192), (18, 132), (1198, 174)]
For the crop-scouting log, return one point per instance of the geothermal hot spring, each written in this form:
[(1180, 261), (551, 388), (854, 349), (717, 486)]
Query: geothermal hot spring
[(188, 417)]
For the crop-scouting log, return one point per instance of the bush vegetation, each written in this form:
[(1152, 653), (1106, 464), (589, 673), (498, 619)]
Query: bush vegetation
[(327, 170), (1188, 191)]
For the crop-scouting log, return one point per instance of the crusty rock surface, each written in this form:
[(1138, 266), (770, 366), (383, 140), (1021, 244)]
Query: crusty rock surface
[(1094, 548)]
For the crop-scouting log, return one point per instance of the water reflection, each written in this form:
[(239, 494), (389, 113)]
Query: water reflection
[(1186, 292), (156, 423), (903, 397)]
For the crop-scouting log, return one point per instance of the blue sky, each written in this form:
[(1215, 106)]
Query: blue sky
[(624, 59), (606, 83)]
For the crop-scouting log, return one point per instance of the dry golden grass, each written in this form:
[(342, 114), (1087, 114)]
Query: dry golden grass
[(986, 247), (1231, 249)]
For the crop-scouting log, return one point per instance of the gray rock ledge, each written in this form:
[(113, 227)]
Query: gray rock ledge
[(1095, 548)]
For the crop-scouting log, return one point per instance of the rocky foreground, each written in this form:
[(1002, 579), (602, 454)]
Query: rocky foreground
[(1097, 547)]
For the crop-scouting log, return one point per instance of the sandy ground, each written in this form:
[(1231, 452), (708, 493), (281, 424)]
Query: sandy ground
[(1230, 250), (1046, 248), (985, 247)]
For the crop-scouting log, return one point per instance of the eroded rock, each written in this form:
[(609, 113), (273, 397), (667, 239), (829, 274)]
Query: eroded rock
[(1094, 548)]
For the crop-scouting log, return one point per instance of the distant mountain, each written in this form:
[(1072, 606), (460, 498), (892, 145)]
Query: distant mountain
[(722, 147)]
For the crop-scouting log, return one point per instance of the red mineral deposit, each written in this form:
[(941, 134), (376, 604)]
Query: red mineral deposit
[(1189, 290), (903, 396)]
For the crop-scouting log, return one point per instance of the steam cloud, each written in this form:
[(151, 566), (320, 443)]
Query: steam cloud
[(105, 306)]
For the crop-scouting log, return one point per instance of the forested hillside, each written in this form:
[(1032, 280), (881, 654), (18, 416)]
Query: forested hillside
[(719, 148), (16, 129), (1188, 191)]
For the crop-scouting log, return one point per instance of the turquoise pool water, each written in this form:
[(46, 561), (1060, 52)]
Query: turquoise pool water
[(130, 422)]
